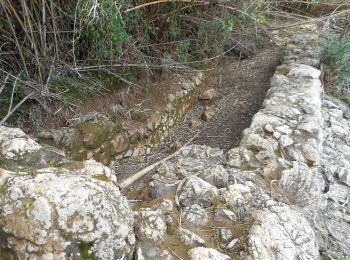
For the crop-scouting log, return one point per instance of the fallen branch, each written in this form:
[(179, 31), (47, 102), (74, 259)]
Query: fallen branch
[(160, 2), (15, 108), (151, 167)]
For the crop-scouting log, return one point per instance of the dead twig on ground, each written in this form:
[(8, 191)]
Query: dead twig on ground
[(146, 170)]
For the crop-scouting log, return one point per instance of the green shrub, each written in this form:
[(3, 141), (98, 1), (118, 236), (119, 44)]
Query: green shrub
[(336, 53)]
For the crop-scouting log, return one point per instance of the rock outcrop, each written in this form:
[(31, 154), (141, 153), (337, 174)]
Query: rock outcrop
[(61, 213)]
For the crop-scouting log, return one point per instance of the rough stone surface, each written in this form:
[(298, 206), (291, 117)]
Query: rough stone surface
[(197, 191), (281, 233), (14, 143), (63, 208), (201, 253), (189, 238), (150, 226), (207, 94)]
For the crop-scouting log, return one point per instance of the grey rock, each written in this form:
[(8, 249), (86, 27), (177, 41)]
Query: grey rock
[(63, 207), (14, 143), (216, 175), (189, 238), (150, 226), (338, 192), (234, 158), (284, 129), (236, 195), (197, 191), (281, 233), (340, 230), (224, 215), (195, 215), (226, 235), (285, 141), (344, 176), (202, 253), (302, 185)]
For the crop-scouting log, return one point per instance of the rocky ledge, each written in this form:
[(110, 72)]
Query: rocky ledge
[(282, 194)]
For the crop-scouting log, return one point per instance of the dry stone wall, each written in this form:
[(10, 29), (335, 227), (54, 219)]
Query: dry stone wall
[(107, 139)]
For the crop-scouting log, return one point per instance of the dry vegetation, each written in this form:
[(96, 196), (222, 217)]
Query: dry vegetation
[(53, 50)]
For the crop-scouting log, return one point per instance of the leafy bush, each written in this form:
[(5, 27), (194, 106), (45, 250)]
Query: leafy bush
[(336, 53)]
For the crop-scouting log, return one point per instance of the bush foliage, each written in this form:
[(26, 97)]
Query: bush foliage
[(336, 53)]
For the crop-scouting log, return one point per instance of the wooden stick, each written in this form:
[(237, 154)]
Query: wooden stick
[(160, 2), (151, 167), (15, 108)]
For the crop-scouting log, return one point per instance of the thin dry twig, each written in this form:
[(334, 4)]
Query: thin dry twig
[(161, 2), (172, 251), (151, 167)]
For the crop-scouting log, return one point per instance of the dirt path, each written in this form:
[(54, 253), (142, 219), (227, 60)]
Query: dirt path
[(239, 92)]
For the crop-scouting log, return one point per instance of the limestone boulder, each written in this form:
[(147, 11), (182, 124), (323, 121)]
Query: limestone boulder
[(281, 233), (58, 213), (202, 253), (196, 191), (14, 143)]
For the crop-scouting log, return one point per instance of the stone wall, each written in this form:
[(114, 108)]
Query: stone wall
[(107, 139)]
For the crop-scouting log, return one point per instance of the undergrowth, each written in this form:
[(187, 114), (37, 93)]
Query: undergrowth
[(336, 53), (50, 47)]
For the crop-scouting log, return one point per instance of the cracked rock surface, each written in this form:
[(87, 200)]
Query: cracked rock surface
[(53, 211)]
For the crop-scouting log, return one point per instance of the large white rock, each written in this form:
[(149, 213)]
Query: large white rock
[(53, 211), (202, 253), (301, 70), (281, 233), (14, 143)]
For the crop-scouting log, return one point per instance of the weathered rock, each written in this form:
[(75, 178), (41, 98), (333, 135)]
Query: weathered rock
[(120, 143), (237, 195), (63, 208), (64, 136), (207, 114), (165, 182), (206, 153), (338, 192), (224, 215), (301, 70), (207, 94), (302, 185), (226, 235), (197, 191), (189, 238), (195, 215), (281, 233), (234, 158), (166, 206), (202, 253), (194, 123), (14, 143), (216, 175), (150, 226), (340, 231), (148, 252), (344, 176), (285, 141)]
